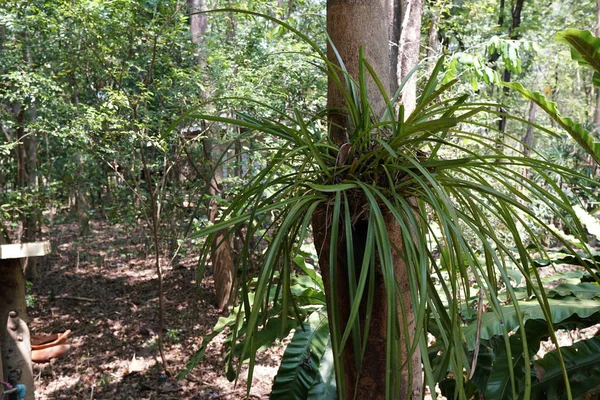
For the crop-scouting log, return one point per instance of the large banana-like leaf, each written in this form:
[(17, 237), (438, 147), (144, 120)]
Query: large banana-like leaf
[(581, 135), (590, 261), (583, 366), (300, 367), (582, 291), (499, 384), (325, 388), (585, 48), (492, 374), (494, 323)]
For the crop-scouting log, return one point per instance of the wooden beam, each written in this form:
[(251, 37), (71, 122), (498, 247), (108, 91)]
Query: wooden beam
[(22, 250)]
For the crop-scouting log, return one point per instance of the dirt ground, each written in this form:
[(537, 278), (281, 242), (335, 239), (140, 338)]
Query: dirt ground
[(104, 289)]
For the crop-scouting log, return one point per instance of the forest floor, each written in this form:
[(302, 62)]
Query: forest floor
[(105, 289)]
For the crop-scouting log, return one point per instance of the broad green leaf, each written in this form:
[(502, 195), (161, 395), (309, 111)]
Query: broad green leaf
[(560, 310), (581, 135), (585, 47), (582, 291), (498, 385), (583, 365), (299, 369), (325, 389)]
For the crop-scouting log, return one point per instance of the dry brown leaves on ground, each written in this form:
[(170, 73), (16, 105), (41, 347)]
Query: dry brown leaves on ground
[(104, 288)]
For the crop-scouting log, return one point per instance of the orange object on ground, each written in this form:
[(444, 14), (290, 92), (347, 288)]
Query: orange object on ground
[(56, 351), (44, 342)]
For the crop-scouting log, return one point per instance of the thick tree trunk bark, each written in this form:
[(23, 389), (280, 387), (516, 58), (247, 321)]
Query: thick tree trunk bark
[(396, 11), (368, 380), (15, 343), (351, 24), (1, 374)]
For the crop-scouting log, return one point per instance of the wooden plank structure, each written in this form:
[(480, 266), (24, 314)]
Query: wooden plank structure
[(15, 342)]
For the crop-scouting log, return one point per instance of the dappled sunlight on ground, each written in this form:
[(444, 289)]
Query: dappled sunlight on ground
[(104, 288)]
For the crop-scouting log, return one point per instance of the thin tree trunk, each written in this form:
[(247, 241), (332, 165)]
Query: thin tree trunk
[(433, 44), (350, 24), (513, 34), (527, 140), (198, 27), (27, 168), (408, 54), (597, 32), (81, 202), (221, 249), (155, 221)]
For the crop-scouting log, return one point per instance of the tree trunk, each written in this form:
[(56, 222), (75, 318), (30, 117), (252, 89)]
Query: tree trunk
[(513, 34), (597, 32), (433, 44), (28, 178), (351, 24), (221, 251), (408, 51), (198, 27), (1, 374), (527, 140), (15, 343), (81, 200)]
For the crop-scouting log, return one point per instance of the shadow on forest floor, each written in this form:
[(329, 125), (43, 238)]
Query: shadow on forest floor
[(104, 288)]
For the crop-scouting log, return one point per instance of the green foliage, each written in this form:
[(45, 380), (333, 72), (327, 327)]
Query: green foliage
[(581, 135), (304, 363), (388, 160), (585, 49), (110, 81), (307, 291), (507, 319), (583, 365), (581, 291), (500, 361), (30, 299)]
